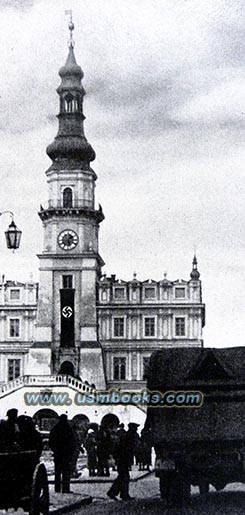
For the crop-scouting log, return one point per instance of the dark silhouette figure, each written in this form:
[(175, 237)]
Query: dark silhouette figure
[(62, 443), (12, 430), (124, 453), (90, 445), (3, 436), (121, 430), (144, 450), (104, 446), (77, 449), (29, 438)]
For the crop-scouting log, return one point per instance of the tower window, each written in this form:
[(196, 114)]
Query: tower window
[(71, 103), (67, 197), (67, 281), (13, 369), (119, 368)]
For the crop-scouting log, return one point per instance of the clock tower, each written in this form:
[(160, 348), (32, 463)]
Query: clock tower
[(70, 264)]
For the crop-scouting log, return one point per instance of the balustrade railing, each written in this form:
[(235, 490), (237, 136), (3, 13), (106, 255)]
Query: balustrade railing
[(76, 204), (45, 381)]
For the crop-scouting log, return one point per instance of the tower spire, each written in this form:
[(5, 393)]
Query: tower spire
[(71, 27), (70, 146)]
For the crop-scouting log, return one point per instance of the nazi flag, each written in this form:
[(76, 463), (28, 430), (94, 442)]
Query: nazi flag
[(67, 317)]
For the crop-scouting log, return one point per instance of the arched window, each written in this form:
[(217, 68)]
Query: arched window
[(69, 100), (67, 197), (70, 103)]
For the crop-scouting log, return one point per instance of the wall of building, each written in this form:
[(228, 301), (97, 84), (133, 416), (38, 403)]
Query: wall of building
[(18, 306), (134, 319)]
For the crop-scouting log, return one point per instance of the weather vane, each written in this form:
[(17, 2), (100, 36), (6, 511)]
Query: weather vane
[(71, 42)]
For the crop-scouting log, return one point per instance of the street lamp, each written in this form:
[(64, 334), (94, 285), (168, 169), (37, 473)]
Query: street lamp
[(13, 234)]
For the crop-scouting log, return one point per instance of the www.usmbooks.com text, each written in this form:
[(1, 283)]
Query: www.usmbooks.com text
[(174, 399)]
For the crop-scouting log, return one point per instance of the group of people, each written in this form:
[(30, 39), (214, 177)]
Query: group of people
[(18, 433), (101, 445), (106, 446)]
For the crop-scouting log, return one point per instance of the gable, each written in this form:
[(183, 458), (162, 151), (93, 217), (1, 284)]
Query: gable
[(210, 368)]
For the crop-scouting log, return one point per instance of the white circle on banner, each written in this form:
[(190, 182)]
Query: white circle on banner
[(67, 311)]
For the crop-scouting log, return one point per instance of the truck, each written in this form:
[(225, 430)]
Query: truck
[(197, 445)]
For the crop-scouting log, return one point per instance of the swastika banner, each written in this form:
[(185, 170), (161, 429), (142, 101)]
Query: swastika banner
[(67, 317)]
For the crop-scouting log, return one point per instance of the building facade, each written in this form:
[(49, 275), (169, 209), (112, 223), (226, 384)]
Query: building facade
[(133, 319), (77, 322)]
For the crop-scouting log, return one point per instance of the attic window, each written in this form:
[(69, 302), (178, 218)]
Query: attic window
[(149, 293), (119, 293), (14, 294), (179, 293), (104, 294)]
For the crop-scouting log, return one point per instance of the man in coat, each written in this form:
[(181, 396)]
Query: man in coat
[(124, 453), (62, 443)]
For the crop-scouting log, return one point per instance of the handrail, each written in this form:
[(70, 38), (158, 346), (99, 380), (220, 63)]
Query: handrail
[(45, 381)]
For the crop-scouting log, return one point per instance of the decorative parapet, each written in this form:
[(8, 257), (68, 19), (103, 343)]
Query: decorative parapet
[(45, 381)]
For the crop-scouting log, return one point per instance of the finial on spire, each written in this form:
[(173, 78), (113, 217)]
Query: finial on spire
[(71, 27), (195, 275)]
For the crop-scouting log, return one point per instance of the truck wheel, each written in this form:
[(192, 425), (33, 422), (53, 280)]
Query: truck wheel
[(204, 488)]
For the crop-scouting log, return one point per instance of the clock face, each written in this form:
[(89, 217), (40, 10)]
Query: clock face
[(68, 239)]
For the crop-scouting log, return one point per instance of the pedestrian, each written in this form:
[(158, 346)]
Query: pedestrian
[(121, 430), (62, 443), (134, 456), (29, 438), (104, 447), (145, 450), (123, 455), (12, 430), (77, 449), (90, 445)]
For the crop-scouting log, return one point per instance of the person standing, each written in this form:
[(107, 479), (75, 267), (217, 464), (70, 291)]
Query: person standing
[(103, 450), (123, 455), (30, 439), (12, 430), (62, 443), (90, 445)]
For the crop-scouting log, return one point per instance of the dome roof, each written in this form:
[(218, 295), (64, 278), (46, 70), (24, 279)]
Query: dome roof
[(72, 147), (71, 67)]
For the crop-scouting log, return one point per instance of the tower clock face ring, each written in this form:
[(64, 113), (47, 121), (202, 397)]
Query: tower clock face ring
[(68, 239)]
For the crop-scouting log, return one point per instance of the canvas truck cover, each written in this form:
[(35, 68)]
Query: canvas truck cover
[(219, 374)]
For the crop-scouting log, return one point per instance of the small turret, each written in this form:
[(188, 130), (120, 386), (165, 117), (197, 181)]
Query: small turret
[(195, 275)]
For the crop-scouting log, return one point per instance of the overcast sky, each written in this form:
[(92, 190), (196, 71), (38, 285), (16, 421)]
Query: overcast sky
[(165, 113)]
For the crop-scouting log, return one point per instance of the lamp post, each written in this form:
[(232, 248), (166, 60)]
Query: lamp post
[(13, 234)]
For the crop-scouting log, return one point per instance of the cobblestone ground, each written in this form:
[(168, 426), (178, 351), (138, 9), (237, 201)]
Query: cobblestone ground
[(231, 501)]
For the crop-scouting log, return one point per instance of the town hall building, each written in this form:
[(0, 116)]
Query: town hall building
[(78, 327)]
